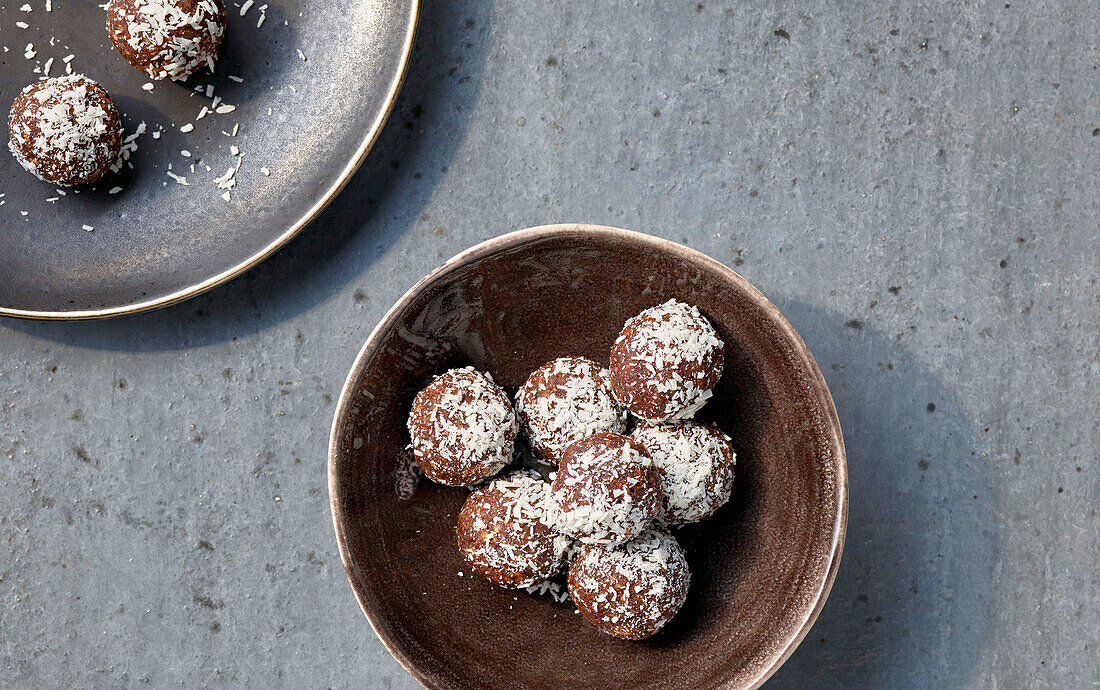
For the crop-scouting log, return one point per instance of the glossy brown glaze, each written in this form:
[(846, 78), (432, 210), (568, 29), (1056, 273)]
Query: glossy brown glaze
[(761, 566)]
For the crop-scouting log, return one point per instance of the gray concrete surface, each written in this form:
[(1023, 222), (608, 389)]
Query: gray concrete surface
[(913, 183)]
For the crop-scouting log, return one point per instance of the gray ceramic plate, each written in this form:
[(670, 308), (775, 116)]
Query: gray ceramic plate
[(309, 122), (761, 566)]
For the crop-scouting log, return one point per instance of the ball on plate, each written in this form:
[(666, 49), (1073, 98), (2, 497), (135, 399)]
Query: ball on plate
[(463, 428), (605, 491), (65, 130), (696, 463), (630, 590), (167, 39), (564, 401), (665, 362), (502, 532)]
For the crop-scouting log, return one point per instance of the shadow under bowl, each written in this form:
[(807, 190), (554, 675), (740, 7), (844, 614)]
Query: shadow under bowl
[(762, 566)]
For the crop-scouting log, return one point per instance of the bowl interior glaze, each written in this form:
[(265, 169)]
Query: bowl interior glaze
[(761, 567)]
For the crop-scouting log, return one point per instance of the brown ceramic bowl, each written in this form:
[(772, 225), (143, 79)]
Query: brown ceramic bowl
[(761, 567)]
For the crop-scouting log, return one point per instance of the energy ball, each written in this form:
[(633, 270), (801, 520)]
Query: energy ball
[(605, 491), (631, 590), (463, 428), (170, 39), (696, 464), (65, 130), (503, 536), (566, 400), (665, 362)]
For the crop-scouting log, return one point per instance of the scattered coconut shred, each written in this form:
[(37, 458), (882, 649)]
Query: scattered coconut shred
[(557, 592), (51, 65)]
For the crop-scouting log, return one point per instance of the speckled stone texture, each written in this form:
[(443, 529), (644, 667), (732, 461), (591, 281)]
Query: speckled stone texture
[(913, 184)]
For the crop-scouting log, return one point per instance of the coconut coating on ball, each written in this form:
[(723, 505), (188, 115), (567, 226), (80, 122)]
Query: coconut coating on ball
[(605, 491), (65, 130), (696, 462), (462, 427), (167, 39), (630, 590), (665, 362), (566, 400), (502, 532)]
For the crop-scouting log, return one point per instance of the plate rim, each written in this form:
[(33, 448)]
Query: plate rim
[(279, 242), (491, 245)]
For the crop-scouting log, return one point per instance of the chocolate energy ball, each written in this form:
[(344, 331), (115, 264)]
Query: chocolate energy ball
[(630, 590), (665, 362), (503, 536), (696, 464), (463, 428), (566, 400), (605, 491), (167, 39), (65, 130)]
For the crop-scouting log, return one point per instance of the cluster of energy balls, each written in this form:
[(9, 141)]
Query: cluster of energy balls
[(66, 130), (606, 511)]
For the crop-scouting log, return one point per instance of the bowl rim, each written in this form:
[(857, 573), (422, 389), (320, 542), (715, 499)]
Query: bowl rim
[(519, 237)]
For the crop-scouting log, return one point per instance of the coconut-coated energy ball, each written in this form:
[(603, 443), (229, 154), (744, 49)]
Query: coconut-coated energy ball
[(167, 39), (463, 428), (605, 491), (564, 401), (502, 532), (665, 362), (65, 130), (696, 463), (633, 589)]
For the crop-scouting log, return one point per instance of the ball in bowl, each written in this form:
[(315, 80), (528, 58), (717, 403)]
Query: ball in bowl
[(696, 462), (605, 491), (502, 532), (462, 428), (566, 400), (630, 590), (666, 361)]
